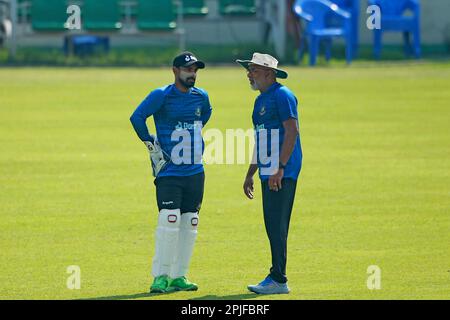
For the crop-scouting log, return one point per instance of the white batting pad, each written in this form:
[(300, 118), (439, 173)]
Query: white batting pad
[(186, 241), (166, 240)]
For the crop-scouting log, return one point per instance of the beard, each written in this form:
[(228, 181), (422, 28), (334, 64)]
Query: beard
[(189, 83), (187, 80), (254, 85)]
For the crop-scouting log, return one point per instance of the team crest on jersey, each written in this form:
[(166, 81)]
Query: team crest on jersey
[(198, 112), (263, 111)]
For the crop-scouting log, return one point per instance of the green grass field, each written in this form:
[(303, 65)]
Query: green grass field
[(76, 186)]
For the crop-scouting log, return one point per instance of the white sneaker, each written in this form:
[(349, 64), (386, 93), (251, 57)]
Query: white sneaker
[(269, 286)]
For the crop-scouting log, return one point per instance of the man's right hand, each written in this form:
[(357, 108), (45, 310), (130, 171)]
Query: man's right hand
[(248, 187)]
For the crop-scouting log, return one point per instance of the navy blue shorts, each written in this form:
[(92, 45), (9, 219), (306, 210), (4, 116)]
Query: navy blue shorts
[(184, 193)]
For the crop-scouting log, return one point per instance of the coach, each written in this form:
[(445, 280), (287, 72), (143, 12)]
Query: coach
[(275, 118)]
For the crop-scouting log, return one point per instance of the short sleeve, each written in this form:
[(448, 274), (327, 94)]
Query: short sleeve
[(207, 109), (286, 105)]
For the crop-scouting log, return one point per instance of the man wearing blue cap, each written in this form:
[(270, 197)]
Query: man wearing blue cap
[(179, 110), (275, 119)]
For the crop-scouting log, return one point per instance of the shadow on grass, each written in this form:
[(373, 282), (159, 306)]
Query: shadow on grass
[(130, 296), (229, 297), (149, 295)]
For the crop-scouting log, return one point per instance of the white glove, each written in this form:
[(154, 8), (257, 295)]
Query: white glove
[(158, 157)]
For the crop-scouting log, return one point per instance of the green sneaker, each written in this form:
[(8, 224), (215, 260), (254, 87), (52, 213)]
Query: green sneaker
[(182, 284), (160, 284)]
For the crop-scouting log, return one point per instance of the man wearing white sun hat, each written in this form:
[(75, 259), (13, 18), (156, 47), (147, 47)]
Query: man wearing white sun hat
[(275, 117)]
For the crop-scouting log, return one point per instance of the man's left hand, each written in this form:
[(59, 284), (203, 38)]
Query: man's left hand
[(158, 157), (275, 180)]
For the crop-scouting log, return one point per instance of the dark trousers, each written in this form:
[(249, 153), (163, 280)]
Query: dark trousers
[(277, 206)]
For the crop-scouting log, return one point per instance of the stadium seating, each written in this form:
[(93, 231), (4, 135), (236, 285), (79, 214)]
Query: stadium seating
[(237, 7), (194, 8), (190, 8), (110, 15), (23, 11), (156, 15), (128, 9), (48, 15), (393, 18), (316, 13), (101, 15)]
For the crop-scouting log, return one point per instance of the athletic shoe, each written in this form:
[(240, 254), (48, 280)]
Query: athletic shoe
[(269, 286), (181, 284), (160, 284)]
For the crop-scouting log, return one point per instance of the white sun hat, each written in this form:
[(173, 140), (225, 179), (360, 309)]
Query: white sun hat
[(264, 60)]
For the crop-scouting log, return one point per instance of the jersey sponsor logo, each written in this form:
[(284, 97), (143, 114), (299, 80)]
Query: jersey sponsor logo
[(198, 112), (187, 126)]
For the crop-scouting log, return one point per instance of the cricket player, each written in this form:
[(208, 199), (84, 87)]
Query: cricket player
[(179, 111), (275, 119)]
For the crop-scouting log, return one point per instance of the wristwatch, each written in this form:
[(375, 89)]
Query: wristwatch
[(281, 166)]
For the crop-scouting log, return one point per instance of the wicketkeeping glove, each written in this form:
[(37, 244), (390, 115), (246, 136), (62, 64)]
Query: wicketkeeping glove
[(158, 157)]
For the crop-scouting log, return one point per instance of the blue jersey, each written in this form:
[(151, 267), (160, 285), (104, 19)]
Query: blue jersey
[(178, 118), (271, 109)]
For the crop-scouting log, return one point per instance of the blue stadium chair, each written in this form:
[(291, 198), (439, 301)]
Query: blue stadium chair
[(317, 13), (393, 18), (353, 7), (83, 45)]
